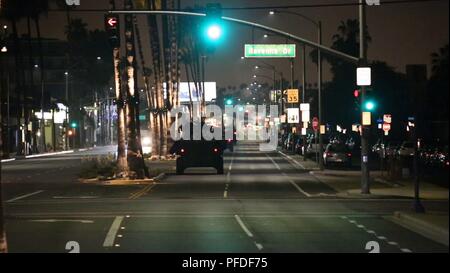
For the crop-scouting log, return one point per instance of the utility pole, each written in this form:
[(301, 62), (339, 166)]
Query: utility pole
[(319, 87), (67, 111), (304, 91), (365, 175)]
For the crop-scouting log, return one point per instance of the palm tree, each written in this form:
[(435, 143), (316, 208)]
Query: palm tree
[(439, 60), (122, 163), (155, 46)]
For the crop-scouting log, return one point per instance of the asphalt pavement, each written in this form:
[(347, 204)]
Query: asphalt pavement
[(264, 203)]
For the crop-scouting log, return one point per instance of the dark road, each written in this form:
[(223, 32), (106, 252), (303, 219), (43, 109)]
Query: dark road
[(263, 203)]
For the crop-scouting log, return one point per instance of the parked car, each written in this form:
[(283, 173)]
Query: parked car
[(337, 154), (407, 149), (391, 148)]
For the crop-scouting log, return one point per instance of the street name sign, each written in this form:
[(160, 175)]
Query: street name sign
[(270, 51)]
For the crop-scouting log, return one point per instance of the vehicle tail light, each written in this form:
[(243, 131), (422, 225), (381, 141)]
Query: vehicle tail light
[(229, 140), (182, 151), (349, 155), (329, 154)]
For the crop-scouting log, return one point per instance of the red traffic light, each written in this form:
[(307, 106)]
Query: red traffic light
[(356, 93)]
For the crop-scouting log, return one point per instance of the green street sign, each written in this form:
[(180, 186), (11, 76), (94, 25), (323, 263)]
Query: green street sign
[(142, 118), (270, 51)]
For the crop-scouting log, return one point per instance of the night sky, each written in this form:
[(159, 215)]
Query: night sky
[(401, 34)]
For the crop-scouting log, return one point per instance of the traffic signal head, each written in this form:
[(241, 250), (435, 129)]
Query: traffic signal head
[(113, 29), (370, 105), (213, 28), (214, 32)]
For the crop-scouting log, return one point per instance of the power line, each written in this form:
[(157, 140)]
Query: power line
[(348, 4)]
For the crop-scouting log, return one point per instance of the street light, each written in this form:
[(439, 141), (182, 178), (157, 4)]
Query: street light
[(318, 25)]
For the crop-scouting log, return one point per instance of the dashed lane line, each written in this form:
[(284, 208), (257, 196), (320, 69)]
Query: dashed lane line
[(373, 233), (24, 196), (248, 232)]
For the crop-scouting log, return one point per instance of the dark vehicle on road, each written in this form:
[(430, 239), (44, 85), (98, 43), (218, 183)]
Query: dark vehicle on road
[(199, 153)]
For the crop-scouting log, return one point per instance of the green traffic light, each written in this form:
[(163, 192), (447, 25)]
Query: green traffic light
[(73, 125), (370, 106), (214, 32), (229, 102)]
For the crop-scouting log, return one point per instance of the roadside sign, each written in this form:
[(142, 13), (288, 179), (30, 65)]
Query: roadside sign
[(270, 51), (293, 115), (387, 118), (315, 124), (292, 95), (386, 127), (283, 118), (367, 119), (323, 129), (305, 107), (364, 76)]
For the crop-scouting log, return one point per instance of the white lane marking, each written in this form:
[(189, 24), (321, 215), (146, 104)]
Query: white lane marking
[(49, 154), (246, 230), (293, 160), (111, 236), (8, 160), (289, 179), (274, 163), (392, 243), (23, 196), (75, 197), (62, 221), (225, 194), (227, 185), (297, 186)]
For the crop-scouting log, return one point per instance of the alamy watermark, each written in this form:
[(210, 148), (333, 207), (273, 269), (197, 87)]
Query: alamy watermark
[(73, 2), (248, 122), (373, 2)]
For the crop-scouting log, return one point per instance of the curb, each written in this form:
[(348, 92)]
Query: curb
[(160, 177), (422, 227)]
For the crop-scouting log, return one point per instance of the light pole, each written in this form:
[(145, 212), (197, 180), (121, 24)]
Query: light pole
[(67, 111), (318, 25), (3, 242)]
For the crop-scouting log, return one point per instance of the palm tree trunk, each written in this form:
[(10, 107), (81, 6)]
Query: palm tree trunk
[(122, 163), (134, 154)]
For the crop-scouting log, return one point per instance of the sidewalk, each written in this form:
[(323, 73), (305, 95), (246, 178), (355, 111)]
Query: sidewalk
[(347, 183)]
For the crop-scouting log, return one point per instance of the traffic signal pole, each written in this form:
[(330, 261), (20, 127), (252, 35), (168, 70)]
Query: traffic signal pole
[(365, 172)]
